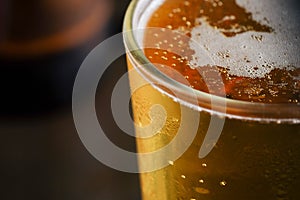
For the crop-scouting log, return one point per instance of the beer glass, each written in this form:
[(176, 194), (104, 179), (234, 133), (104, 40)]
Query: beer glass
[(230, 149)]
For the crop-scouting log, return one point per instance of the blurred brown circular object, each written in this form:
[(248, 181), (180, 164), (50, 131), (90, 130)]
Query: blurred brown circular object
[(42, 45), (35, 27)]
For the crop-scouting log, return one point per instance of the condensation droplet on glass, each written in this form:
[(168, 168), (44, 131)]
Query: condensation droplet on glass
[(171, 162), (174, 119), (223, 183)]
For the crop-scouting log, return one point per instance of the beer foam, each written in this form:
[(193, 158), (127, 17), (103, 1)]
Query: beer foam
[(251, 54)]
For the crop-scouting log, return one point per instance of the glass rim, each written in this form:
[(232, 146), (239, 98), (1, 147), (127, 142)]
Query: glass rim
[(237, 109)]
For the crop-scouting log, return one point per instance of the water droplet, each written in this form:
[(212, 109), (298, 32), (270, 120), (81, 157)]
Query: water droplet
[(174, 119), (176, 10), (223, 183)]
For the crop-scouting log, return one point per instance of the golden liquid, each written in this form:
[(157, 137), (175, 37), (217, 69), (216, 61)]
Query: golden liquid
[(251, 160), (278, 86)]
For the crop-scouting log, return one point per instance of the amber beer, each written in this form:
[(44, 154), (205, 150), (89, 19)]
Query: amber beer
[(253, 45)]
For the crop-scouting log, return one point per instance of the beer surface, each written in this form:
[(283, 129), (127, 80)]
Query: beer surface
[(254, 46)]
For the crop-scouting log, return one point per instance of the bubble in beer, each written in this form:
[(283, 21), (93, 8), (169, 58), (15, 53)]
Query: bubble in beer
[(187, 3), (201, 181)]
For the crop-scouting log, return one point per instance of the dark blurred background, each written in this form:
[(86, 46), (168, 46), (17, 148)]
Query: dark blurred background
[(42, 45)]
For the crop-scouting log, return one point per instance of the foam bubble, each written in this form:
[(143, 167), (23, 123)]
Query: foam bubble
[(251, 54)]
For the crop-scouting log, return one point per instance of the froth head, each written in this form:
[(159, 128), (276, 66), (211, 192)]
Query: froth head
[(251, 53)]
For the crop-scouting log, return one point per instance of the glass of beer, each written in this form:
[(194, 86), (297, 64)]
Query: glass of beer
[(215, 98)]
